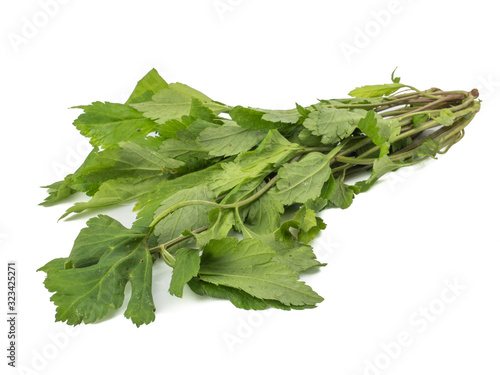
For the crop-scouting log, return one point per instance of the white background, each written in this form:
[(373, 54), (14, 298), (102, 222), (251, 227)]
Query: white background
[(393, 253)]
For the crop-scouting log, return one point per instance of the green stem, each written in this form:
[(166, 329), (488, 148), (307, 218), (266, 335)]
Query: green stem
[(317, 149), (445, 136), (179, 205), (242, 223), (410, 115), (167, 257), (422, 92), (254, 197), (163, 247), (433, 123), (444, 99)]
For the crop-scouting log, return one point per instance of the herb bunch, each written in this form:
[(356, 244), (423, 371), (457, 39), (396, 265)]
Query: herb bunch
[(228, 196)]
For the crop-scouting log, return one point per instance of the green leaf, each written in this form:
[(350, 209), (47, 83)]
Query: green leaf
[(446, 117), (373, 91), (101, 168), (187, 264), (419, 119), (238, 298), (184, 149), (131, 160), (264, 214), (140, 308), (304, 112), (428, 149), (381, 131), (170, 128), (221, 222), (307, 225), (243, 191), (108, 124), (247, 265), (152, 199), (287, 116), (149, 85), (199, 111), (102, 234), (380, 167), (228, 139), (253, 119), (115, 192), (58, 191), (54, 265), (63, 189), (198, 114), (272, 152), (296, 256), (298, 182), (333, 124), (96, 282), (395, 79), (197, 126), (307, 138), (175, 102), (343, 195), (189, 217)]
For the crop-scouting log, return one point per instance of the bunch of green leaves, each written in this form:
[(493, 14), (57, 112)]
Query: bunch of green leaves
[(229, 196)]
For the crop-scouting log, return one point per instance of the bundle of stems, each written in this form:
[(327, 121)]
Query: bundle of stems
[(415, 113), (405, 107)]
